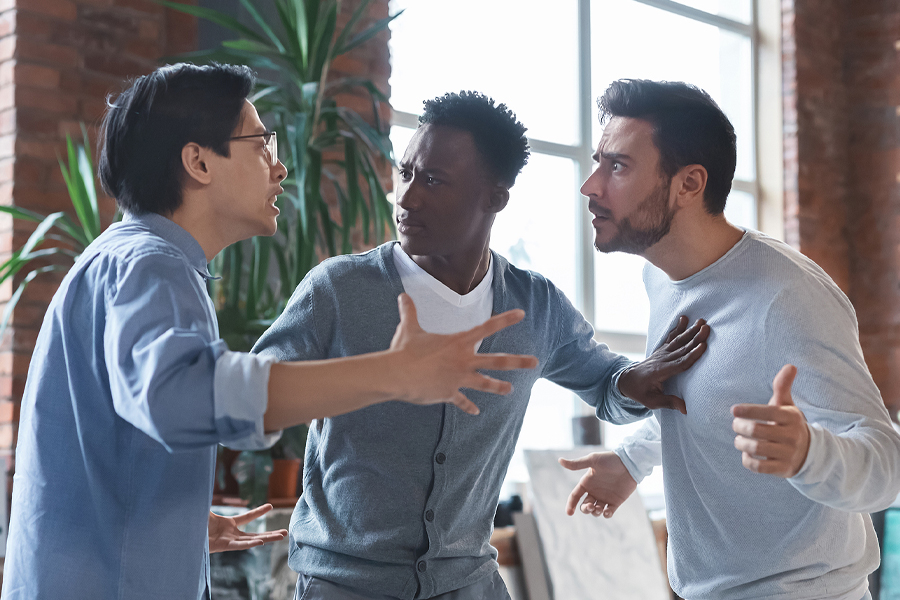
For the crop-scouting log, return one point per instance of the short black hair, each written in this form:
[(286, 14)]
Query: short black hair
[(147, 125), (688, 128), (498, 135)]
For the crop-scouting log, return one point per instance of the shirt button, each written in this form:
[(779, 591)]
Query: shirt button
[(421, 566), (429, 515), (440, 458)]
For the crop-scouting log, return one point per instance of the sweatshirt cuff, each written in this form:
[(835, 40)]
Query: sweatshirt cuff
[(808, 473), (240, 396), (633, 468)]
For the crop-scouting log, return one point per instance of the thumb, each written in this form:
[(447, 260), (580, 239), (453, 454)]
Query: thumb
[(576, 464), (408, 315), (781, 386)]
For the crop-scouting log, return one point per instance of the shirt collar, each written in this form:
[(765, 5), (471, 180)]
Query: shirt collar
[(177, 236)]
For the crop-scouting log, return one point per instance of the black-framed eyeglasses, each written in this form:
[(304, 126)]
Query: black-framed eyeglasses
[(271, 144)]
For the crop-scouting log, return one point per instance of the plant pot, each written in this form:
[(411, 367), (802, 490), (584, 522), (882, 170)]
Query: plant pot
[(283, 481)]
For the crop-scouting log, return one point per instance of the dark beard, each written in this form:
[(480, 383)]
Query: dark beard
[(653, 209)]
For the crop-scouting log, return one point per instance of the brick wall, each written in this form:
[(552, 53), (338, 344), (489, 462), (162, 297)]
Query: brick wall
[(842, 160), (59, 59)]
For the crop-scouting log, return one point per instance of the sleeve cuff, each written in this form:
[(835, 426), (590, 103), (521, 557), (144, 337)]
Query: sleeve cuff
[(807, 473), (240, 396), (633, 469), (617, 395)]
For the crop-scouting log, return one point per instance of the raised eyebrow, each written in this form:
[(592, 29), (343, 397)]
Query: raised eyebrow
[(614, 156)]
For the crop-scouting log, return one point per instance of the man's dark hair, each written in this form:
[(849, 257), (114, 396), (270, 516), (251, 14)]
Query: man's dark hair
[(499, 137), (688, 128), (147, 125)]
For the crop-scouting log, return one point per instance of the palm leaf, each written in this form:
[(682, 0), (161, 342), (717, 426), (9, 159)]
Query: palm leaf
[(213, 16)]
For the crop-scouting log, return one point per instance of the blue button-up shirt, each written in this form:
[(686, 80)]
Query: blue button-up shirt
[(128, 393)]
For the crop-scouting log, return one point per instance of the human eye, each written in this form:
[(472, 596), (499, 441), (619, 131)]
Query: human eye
[(616, 166), (405, 174), (431, 180)]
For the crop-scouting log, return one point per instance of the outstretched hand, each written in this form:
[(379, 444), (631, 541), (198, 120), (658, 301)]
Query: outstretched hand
[(605, 486), (446, 363), (224, 534), (773, 438), (643, 381)]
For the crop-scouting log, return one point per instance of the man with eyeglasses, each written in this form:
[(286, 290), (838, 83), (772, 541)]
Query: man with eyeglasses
[(130, 388)]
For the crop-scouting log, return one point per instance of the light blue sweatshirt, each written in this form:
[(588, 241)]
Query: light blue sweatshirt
[(735, 534)]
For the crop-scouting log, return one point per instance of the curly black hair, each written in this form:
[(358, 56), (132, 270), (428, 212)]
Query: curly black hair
[(498, 135)]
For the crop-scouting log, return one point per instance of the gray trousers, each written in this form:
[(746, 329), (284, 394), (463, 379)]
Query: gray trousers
[(312, 588)]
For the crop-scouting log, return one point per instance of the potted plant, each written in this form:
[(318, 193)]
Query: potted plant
[(34, 257), (331, 152)]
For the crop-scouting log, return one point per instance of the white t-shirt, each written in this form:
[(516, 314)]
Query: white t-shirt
[(440, 309)]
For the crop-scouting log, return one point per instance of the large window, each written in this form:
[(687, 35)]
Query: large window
[(549, 61)]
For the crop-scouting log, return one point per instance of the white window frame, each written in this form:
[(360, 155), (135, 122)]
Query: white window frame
[(764, 34)]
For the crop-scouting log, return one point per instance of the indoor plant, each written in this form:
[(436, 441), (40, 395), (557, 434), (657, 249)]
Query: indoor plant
[(71, 237), (330, 152)]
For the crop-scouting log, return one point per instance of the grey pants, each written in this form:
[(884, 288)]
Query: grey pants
[(312, 588)]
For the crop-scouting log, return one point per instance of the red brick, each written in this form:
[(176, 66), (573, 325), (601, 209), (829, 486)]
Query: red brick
[(53, 54), (57, 102), (36, 76), (60, 9), (7, 47), (8, 23)]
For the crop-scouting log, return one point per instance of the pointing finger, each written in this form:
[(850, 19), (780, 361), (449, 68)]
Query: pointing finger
[(505, 362), (495, 324), (464, 404)]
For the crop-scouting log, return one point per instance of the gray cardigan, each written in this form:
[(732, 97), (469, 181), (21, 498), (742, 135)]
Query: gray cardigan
[(399, 499)]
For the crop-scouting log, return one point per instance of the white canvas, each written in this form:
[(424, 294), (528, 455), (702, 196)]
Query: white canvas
[(592, 558)]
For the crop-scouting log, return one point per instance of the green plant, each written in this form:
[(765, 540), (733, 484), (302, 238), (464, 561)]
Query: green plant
[(326, 148), (33, 257)]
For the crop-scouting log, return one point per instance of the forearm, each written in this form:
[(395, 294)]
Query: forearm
[(302, 391), (857, 471)]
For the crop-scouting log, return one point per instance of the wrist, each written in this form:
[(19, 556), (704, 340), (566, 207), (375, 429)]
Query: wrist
[(387, 367), (625, 384)]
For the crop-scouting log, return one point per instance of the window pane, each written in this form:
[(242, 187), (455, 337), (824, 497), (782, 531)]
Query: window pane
[(738, 10), (523, 53), (665, 46), (741, 209), (537, 228), (400, 137), (620, 301)]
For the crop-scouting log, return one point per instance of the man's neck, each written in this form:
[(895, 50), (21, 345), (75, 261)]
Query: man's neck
[(460, 272), (692, 245)]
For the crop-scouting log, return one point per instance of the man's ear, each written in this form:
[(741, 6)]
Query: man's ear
[(690, 184), (499, 198), (193, 159)]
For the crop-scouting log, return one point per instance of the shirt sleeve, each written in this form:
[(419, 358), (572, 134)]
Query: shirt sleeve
[(642, 450), (589, 369), (295, 333), (169, 374), (853, 462)]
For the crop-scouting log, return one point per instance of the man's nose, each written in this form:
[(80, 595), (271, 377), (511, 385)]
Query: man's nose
[(279, 171), (593, 185), (407, 198)]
